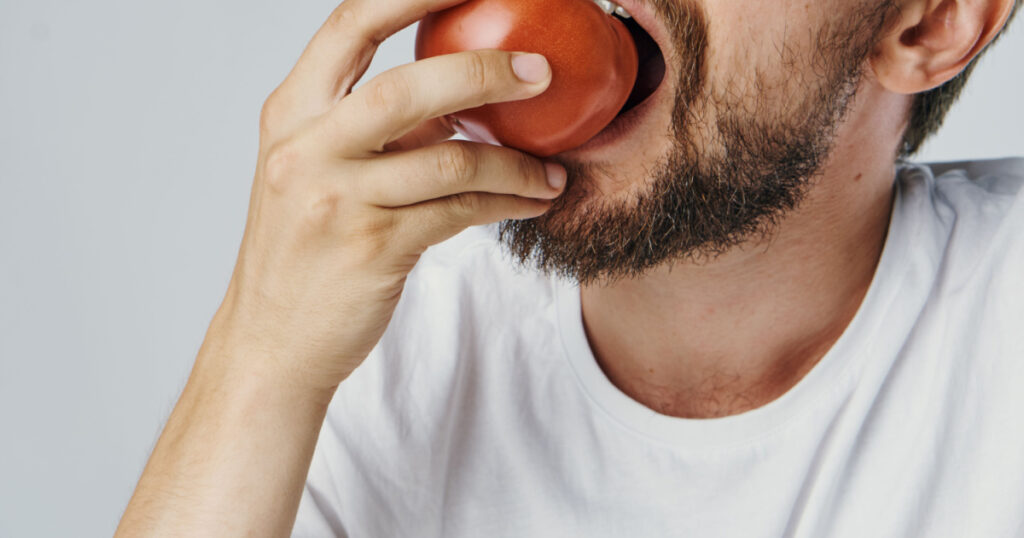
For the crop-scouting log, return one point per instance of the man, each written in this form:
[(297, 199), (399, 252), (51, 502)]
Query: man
[(770, 336)]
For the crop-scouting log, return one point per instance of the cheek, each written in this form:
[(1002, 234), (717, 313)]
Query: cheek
[(765, 64)]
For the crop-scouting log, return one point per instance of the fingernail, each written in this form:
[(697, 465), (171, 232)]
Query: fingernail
[(532, 68), (556, 175)]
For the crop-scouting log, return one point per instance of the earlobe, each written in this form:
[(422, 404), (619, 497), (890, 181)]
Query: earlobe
[(934, 40)]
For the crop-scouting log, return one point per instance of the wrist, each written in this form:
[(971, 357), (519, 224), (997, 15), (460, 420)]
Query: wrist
[(234, 453), (237, 348), (246, 371)]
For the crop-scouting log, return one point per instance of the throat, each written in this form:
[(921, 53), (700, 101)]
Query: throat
[(705, 368), (708, 392), (719, 395)]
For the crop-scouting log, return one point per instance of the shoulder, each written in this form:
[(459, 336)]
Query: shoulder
[(975, 211), (989, 191), (1005, 175), (987, 197)]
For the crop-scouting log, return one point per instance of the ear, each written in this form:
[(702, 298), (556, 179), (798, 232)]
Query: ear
[(931, 41)]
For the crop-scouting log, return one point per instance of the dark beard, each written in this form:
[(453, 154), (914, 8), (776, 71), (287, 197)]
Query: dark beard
[(753, 169)]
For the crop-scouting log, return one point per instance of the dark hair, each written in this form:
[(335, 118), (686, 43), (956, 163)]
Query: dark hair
[(929, 108)]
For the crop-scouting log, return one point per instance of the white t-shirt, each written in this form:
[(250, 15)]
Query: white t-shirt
[(483, 413)]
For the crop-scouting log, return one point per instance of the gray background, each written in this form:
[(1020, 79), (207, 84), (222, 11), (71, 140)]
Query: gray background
[(127, 142)]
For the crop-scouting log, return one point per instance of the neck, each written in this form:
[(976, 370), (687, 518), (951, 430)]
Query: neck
[(733, 334)]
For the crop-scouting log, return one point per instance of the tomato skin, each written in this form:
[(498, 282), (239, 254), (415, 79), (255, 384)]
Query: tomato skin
[(593, 63)]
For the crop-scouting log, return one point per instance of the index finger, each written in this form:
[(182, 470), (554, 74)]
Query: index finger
[(396, 101), (341, 50)]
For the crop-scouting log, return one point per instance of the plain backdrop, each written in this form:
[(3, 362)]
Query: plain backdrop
[(128, 135)]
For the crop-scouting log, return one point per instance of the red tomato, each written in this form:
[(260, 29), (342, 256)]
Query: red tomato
[(593, 64)]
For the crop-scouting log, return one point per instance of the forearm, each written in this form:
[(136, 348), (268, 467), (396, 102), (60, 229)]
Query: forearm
[(233, 456)]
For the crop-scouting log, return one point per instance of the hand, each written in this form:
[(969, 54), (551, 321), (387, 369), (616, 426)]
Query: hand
[(352, 186)]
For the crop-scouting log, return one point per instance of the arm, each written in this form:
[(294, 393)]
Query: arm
[(233, 456), (347, 195)]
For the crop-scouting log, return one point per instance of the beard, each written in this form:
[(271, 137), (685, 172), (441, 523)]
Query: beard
[(724, 182)]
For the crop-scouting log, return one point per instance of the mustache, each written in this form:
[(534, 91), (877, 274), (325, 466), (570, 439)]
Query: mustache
[(688, 26)]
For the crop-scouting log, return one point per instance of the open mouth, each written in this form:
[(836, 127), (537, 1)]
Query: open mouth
[(636, 117), (651, 66)]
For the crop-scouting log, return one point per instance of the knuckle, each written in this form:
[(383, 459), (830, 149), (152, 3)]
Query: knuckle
[(456, 162), (281, 167), (346, 20), (271, 112), (373, 237), (462, 206), (389, 94), (476, 71), (342, 19), (321, 210), (529, 170)]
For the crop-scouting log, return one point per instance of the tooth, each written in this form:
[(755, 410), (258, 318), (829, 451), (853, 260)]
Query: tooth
[(610, 7), (606, 5)]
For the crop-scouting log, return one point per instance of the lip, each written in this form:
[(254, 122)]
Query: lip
[(644, 15), (624, 125)]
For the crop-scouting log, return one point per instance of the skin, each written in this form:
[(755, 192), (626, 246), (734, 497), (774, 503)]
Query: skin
[(351, 188), (715, 339), (703, 340), (736, 329)]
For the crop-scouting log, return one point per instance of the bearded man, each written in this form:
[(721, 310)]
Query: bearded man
[(738, 311)]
